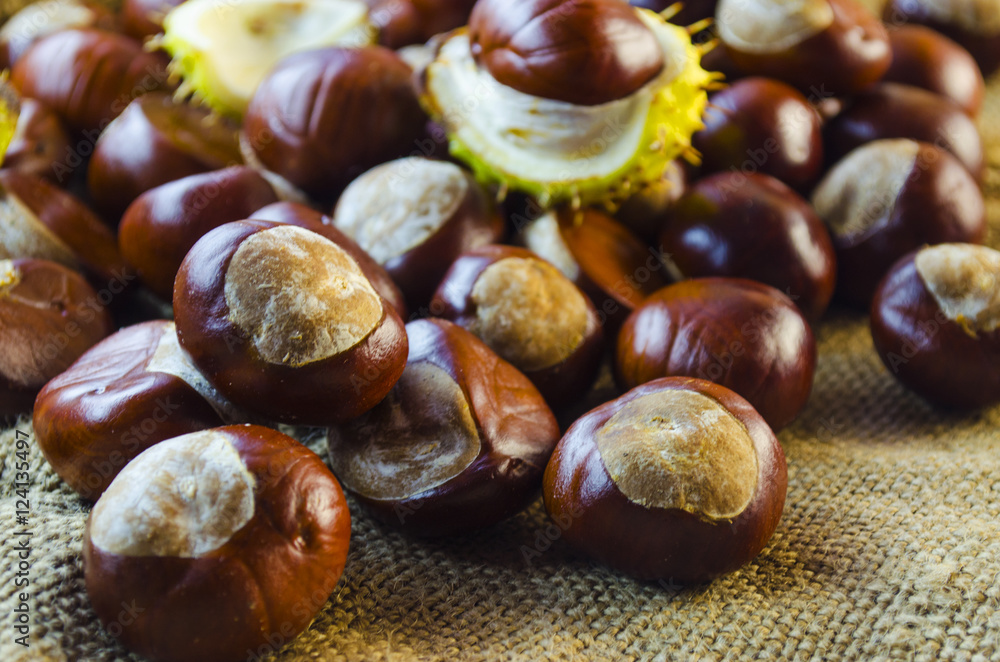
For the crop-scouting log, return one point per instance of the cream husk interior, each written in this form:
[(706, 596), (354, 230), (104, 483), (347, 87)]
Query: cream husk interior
[(420, 437), (964, 280), (769, 26), (680, 449), (183, 497)]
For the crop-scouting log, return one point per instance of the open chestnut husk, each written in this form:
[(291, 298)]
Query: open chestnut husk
[(223, 541), (414, 216), (934, 321), (133, 389), (892, 110), (161, 226), (975, 24), (111, 67), (889, 197), (529, 313), (743, 335), (752, 226), (178, 140), (678, 479), (283, 322), (459, 444), (819, 46), (321, 118), (49, 316)]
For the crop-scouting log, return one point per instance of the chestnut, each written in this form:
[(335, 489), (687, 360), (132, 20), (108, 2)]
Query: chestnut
[(226, 542), (283, 322), (643, 211), (112, 68), (321, 118), (161, 226), (975, 24), (889, 197), (40, 19), (752, 226), (892, 110), (583, 52), (133, 389), (460, 443), (295, 213), (529, 313), (142, 19), (601, 256), (414, 216), (927, 59), (687, 14), (837, 45), (678, 479), (405, 22), (934, 321), (178, 140), (744, 335), (41, 220), (40, 144), (49, 316), (762, 125)]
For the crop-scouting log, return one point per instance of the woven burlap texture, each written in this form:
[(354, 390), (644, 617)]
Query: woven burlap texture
[(889, 549)]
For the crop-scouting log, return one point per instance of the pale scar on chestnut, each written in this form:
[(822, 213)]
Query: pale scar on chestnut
[(964, 280), (22, 234), (528, 312), (422, 435), (299, 296), (184, 497), (768, 26), (679, 449)]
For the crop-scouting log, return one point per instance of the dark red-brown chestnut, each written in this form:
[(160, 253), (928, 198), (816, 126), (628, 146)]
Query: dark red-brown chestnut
[(459, 444), (283, 322), (321, 118), (144, 18), (584, 52), (529, 313), (414, 216), (741, 334), (40, 19), (935, 320), (679, 479), (752, 226), (405, 22), (223, 541), (131, 390), (644, 211), (178, 140), (973, 24), (822, 47), (40, 145), (49, 316), (887, 198)]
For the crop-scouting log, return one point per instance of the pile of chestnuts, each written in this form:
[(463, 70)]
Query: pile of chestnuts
[(424, 226)]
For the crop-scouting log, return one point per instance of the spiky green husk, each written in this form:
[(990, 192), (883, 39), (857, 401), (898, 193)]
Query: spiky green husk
[(10, 110)]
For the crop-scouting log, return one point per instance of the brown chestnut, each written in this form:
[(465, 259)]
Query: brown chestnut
[(601, 256), (584, 52), (131, 390), (41, 220), (973, 24), (927, 59), (892, 110), (162, 225), (744, 335), (144, 18), (177, 140), (752, 226), (819, 46), (40, 144), (283, 322), (529, 313), (405, 22), (295, 213), (679, 479), (686, 14), (762, 125), (935, 322), (889, 197), (321, 118), (459, 444), (112, 68), (225, 543), (414, 216), (49, 316), (643, 212), (40, 19)]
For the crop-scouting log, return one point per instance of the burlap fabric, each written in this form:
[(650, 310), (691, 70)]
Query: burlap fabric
[(889, 549)]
